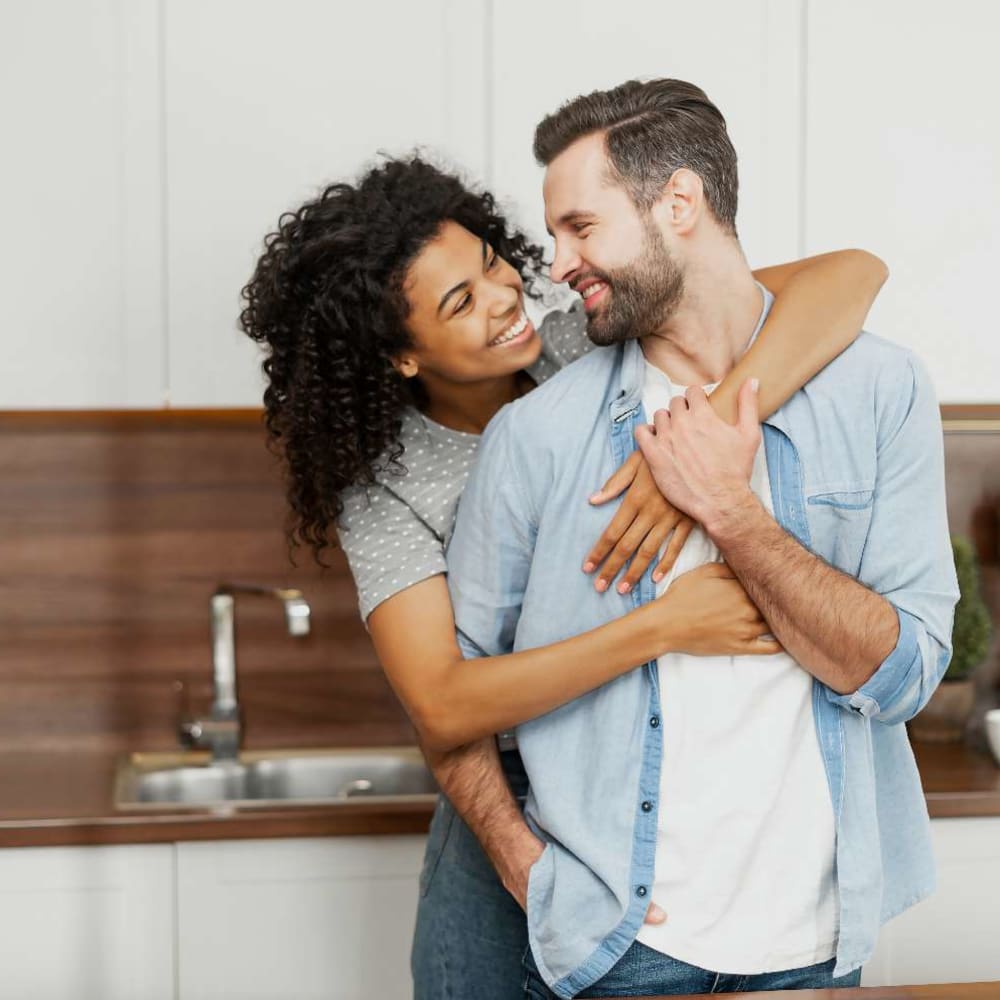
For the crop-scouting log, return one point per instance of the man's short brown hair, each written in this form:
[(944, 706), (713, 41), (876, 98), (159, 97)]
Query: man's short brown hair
[(651, 129)]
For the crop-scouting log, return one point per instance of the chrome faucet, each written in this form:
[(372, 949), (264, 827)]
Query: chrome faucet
[(221, 732)]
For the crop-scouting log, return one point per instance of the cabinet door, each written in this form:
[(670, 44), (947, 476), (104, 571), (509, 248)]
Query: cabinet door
[(91, 923), (81, 199), (267, 103), (953, 936), (327, 918), (902, 156), (745, 56)]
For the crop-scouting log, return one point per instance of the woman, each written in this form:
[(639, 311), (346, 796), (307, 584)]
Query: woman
[(392, 314)]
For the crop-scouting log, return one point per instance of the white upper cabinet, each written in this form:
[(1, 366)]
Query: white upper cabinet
[(903, 157), (81, 201), (150, 145), (743, 55), (265, 104)]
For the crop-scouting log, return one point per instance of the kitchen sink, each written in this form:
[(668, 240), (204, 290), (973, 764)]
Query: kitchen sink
[(273, 778)]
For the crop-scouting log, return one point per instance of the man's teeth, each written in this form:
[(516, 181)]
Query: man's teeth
[(511, 332), (593, 289)]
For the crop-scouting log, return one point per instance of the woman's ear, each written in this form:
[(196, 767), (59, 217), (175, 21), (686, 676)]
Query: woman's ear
[(407, 367)]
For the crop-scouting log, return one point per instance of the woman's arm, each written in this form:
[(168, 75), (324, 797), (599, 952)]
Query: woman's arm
[(820, 304), (453, 701)]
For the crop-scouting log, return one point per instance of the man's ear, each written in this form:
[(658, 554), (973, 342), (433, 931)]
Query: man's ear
[(682, 202)]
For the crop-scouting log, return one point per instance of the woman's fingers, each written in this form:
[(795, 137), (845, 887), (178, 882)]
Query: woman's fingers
[(627, 545), (619, 480), (648, 550), (624, 518), (680, 535), (761, 647), (633, 509)]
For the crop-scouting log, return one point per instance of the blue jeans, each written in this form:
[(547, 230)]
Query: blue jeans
[(470, 932), (643, 971)]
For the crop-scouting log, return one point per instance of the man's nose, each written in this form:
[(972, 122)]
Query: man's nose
[(565, 263)]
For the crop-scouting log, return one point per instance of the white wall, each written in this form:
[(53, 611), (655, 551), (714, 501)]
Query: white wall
[(80, 203), (267, 102), (150, 144), (903, 155)]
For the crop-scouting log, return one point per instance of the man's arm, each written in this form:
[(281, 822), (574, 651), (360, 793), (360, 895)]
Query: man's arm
[(880, 645), (473, 780), (828, 622), (489, 558)]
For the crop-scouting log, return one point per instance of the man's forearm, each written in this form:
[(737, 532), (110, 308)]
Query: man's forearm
[(473, 780), (834, 626)]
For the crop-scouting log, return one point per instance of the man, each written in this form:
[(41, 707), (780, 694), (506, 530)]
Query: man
[(770, 806)]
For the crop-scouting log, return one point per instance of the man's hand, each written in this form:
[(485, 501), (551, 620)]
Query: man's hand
[(514, 867), (701, 464)]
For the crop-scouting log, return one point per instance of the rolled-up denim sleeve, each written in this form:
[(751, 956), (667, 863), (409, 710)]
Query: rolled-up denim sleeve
[(489, 554), (907, 556)]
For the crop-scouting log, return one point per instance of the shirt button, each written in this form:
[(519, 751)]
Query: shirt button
[(641, 891), (647, 806), (655, 721)]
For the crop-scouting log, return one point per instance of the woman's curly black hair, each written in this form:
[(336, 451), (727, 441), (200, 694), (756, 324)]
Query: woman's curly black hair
[(326, 301)]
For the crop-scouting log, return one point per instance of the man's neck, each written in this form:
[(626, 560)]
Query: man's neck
[(710, 329)]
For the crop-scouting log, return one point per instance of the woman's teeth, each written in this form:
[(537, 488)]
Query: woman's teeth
[(597, 286), (511, 332)]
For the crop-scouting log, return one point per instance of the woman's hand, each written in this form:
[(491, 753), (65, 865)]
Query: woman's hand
[(710, 614), (640, 526)]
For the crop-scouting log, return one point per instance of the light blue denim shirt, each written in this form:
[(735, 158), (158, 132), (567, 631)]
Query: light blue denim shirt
[(855, 461)]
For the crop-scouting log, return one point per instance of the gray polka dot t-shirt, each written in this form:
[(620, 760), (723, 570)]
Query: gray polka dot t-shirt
[(394, 532)]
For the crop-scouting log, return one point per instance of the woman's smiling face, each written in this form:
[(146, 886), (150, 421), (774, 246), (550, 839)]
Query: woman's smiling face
[(467, 317)]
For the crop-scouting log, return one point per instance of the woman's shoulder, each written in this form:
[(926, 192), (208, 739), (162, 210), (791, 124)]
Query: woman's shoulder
[(563, 333)]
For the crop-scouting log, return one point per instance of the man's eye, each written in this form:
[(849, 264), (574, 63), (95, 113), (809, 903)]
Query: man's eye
[(581, 227)]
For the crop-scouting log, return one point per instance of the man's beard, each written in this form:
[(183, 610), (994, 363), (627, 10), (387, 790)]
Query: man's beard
[(643, 294)]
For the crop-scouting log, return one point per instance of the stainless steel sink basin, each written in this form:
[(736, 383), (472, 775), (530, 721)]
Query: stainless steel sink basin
[(272, 778)]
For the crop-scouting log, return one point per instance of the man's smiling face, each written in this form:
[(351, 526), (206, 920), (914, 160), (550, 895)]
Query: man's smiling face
[(608, 251)]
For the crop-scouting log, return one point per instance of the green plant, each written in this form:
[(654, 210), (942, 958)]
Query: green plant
[(973, 629)]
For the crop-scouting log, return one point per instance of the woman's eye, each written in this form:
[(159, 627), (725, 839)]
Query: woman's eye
[(492, 262), (463, 302)]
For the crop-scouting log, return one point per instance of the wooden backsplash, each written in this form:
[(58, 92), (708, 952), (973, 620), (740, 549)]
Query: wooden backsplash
[(116, 527), (114, 530)]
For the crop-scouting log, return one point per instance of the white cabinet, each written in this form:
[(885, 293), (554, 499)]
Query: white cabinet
[(333, 918), (149, 146), (954, 936), (81, 253), (902, 157), (267, 103), (294, 919), (744, 55), (91, 923)]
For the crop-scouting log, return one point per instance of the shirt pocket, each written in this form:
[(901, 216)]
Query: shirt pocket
[(839, 521)]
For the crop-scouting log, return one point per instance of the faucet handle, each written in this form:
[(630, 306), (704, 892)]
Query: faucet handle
[(190, 732), (222, 736)]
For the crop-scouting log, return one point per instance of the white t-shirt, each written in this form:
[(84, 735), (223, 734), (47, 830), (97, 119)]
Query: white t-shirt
[(745, 839)]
